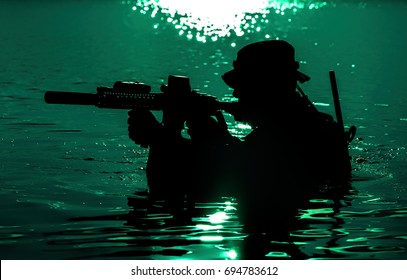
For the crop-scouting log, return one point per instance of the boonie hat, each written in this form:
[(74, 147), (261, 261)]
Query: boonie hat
[(265, 57)]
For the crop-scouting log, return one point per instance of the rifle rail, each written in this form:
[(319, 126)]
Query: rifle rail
[(113, 99)]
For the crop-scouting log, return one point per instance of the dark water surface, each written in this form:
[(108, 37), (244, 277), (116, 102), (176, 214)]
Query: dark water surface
[(71, 182)]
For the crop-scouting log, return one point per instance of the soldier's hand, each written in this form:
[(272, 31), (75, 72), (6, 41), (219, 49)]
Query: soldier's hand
[(143, 127)]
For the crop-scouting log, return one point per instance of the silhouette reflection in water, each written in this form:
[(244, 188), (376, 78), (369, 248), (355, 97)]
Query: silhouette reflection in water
[(292, 154)]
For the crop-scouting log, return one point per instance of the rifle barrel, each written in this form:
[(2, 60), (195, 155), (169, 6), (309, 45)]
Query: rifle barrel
[(65, 97)]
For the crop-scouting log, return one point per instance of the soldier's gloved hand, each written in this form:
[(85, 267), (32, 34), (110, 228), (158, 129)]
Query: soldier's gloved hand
[(208, 130), (143, 127)]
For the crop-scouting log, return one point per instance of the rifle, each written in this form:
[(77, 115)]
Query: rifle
[(175, 97), (176, 100)]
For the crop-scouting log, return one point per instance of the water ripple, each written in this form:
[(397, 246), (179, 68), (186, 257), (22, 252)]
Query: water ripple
[(389, 213)]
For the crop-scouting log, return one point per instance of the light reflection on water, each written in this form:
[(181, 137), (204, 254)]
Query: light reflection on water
[(209, 20), (146, 231), (325, 229)]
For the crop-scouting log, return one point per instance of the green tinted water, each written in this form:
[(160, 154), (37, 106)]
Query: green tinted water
[(68, 173)]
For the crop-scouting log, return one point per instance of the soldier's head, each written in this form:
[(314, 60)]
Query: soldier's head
[(264, 75), (264, 65)]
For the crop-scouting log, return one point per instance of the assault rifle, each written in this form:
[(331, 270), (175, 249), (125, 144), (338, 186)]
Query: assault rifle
[(176, 100), (176, 97)]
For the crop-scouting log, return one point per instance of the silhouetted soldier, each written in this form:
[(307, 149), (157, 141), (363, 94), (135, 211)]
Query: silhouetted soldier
[(292, 149)]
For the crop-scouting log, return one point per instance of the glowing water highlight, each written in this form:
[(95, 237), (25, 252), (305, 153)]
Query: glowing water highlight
[(209, 20)]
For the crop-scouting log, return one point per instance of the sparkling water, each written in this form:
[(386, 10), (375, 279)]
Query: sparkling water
[(73, 184)]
